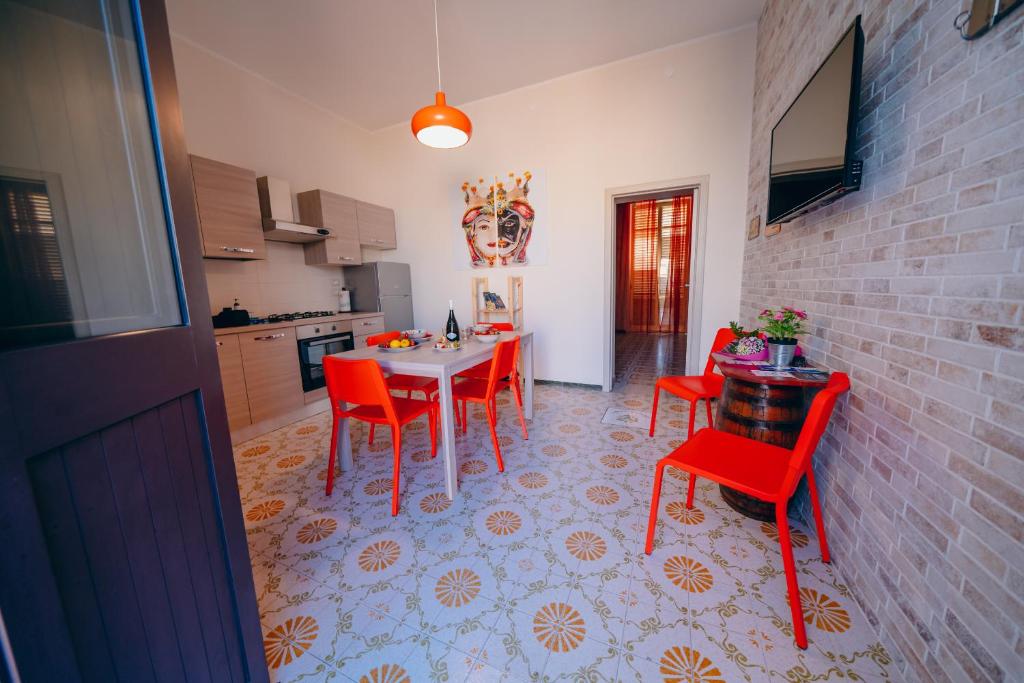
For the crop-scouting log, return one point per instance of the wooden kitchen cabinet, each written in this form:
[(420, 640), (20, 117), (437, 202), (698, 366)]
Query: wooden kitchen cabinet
[(376, 226), (229, 210), (323, 209), (364, 327), (233, 380), (272, 380)]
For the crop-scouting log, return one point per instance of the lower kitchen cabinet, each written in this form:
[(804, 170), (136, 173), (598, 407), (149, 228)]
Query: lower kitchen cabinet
[(272, 378), (233, 379)]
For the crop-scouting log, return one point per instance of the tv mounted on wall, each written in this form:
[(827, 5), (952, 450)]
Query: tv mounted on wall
[(813, 143)]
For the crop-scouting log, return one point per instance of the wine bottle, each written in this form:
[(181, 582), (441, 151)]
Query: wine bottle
[(451, 328)]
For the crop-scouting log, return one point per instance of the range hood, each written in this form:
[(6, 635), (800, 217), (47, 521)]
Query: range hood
[(278, 217)]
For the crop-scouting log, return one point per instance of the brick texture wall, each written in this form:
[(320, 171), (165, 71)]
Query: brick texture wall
[(914, 286)]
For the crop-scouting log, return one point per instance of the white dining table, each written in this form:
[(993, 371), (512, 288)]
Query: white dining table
[(424, 361)]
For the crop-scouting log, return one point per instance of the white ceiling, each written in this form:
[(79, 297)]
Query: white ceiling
[(372, 61)]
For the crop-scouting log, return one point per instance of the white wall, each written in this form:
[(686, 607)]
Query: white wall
[(680, 112), (237, 117), (683, 111)]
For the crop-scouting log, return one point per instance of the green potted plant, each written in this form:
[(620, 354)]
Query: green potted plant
[(781, 327)]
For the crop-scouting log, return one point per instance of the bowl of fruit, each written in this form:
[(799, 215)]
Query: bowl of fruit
[(487, 336), (398, 345)]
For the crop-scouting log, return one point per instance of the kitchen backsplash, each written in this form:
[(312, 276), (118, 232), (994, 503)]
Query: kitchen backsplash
[(282, 283)]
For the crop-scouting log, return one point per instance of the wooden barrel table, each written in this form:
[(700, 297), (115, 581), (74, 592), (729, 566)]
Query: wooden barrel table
[(768, 409)]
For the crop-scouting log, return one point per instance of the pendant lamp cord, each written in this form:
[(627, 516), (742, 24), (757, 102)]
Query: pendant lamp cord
[(437, 46)]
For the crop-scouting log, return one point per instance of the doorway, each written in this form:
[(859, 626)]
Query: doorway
[(653, 275)]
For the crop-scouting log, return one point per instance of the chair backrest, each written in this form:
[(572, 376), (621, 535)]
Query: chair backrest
[(723, 337), (814, 426), (382, 338), (503, 364), (360, 382), (502, 327)]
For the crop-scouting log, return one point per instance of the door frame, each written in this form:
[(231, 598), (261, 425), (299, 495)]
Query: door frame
[(700, 185)]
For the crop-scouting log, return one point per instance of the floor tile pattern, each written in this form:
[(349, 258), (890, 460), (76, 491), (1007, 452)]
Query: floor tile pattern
[(537, 573)]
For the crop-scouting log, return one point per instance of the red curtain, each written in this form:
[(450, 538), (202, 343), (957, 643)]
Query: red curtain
[(624, 257), (653, 265), (676, 228), (643, 228)]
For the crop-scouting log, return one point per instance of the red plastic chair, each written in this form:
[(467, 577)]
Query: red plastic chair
[(483, 370), (361, 384), (502, 375), (766, 472), (695, 388), (400, 382)]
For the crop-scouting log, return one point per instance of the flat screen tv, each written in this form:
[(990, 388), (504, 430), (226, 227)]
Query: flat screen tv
[(813, 143)]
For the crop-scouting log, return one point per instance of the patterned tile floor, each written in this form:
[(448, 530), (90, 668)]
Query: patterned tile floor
[(536, 574)]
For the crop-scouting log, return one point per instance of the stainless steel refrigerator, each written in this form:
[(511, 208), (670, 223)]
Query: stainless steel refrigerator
[(384, 287)]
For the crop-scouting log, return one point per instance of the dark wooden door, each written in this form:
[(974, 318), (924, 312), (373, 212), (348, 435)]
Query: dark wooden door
[(122, 548)]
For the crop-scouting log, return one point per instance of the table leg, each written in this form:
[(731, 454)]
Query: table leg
[(527, 353), (451, 477), (344, 443)]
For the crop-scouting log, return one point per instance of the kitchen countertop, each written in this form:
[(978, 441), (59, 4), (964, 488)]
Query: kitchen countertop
[(294, 323)]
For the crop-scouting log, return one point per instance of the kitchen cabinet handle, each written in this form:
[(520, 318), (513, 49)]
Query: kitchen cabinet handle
[(377, 241), (345, 258), (239, 250), (367, 324), (269, 337)]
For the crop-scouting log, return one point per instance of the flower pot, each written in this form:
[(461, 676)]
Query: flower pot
[(781, 352)]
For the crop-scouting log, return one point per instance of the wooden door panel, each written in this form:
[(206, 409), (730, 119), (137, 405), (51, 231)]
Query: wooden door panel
[(113, 518), (124, 552)]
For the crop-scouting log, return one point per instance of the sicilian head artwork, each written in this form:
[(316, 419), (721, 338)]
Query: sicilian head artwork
[(498, 225)]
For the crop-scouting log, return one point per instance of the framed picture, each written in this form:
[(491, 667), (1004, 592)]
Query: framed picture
[(754, 229), (773, 229)]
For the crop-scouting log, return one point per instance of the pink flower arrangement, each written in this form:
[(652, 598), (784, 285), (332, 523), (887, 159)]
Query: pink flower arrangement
[(784, 323)]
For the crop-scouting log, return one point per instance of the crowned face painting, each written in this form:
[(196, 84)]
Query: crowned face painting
[(498, 225)]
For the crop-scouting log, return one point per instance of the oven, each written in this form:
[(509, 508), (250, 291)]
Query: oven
[(317, 341)]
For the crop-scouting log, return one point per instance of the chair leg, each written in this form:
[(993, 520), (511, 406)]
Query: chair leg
[(787, 562), (707, 404), (492, 422), (690, 487), (693, 415), (654, 409), (408, 393), (652, 524), (432, 423), (396, 437), (812, 489), (332, 456), (465, 422), (371, 433), (519, 407)]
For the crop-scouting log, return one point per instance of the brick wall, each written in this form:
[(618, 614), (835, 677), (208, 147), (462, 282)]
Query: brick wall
[(914, 286)]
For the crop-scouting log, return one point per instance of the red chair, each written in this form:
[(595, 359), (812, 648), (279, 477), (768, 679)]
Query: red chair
[(695, 388), (399, 382), (502, 375), (766, 472), (483, 370), (361, 384)]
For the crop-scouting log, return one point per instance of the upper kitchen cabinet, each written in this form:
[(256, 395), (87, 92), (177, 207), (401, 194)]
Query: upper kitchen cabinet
[(376, 226), (229, 210), (328, 210)]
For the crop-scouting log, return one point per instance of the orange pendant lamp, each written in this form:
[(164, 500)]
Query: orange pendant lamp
[(439, 125)]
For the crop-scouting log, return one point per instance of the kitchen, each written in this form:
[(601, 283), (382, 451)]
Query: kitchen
[(267, 264)]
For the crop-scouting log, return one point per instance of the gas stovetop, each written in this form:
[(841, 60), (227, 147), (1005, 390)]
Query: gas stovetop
[(286, 317)]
